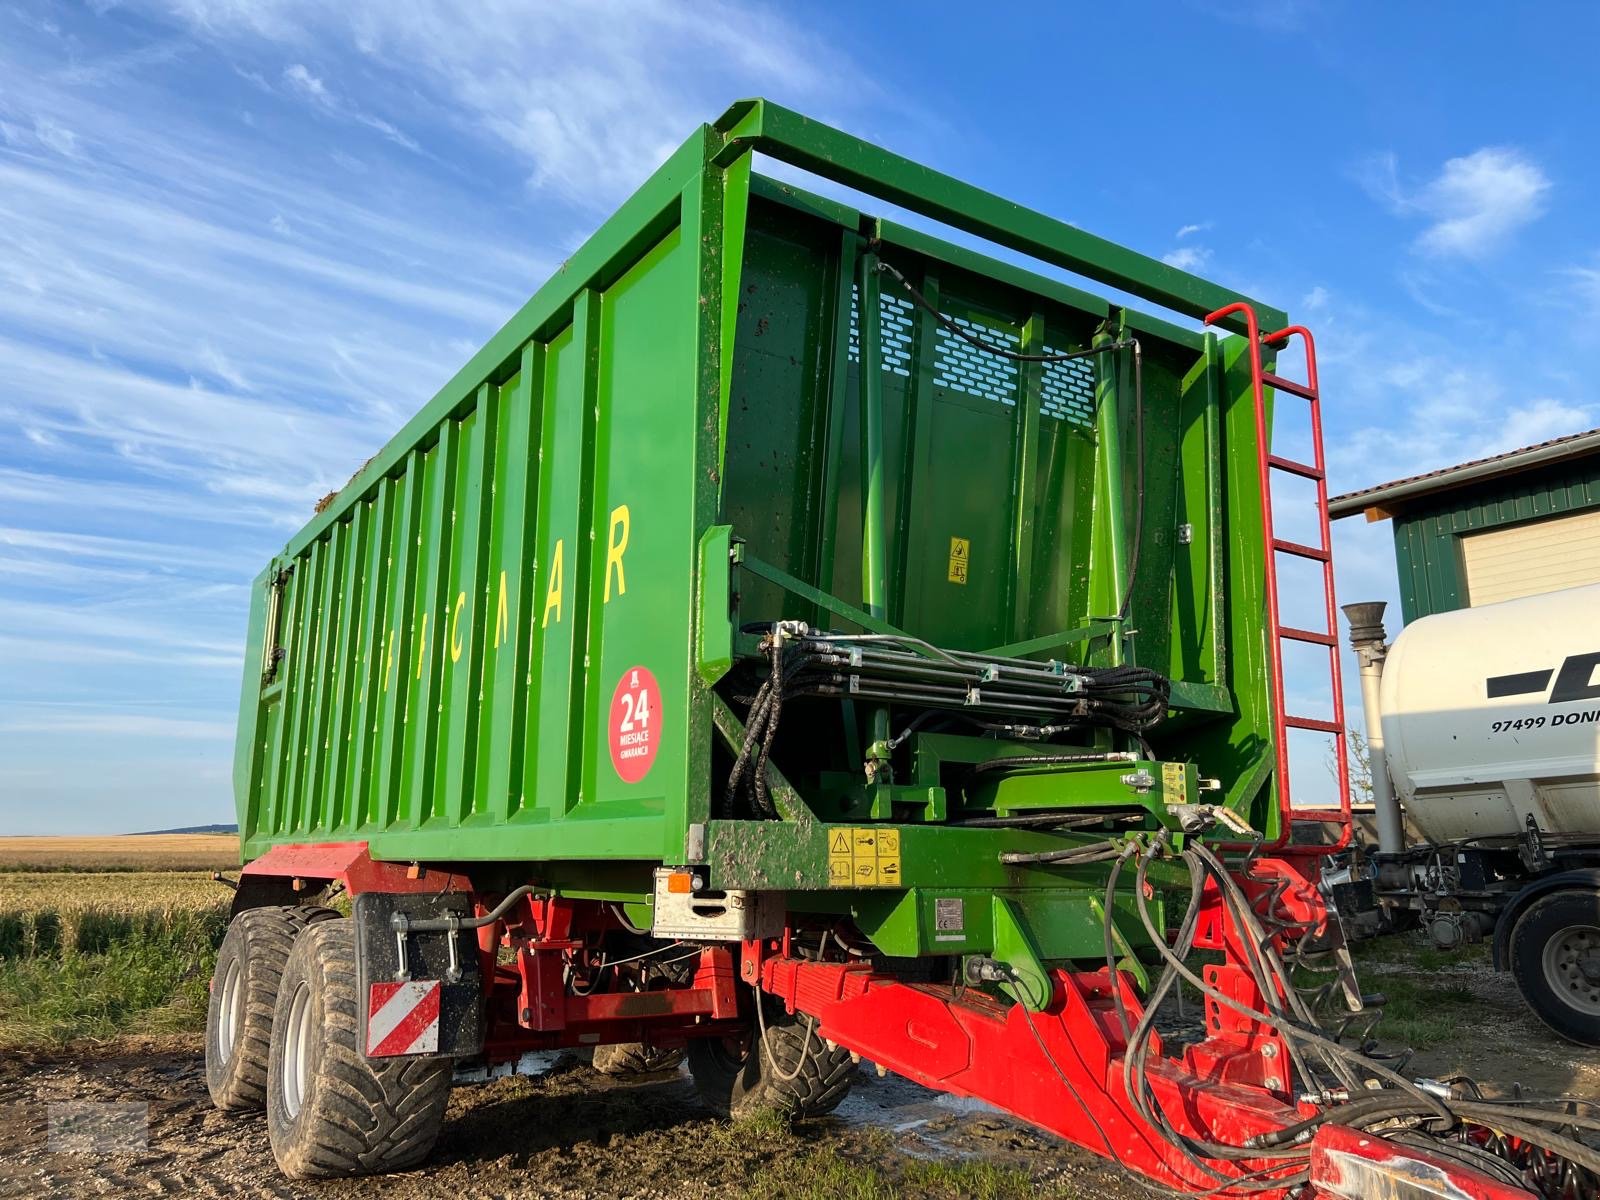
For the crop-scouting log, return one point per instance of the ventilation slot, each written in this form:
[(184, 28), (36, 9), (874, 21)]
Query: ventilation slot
[(1067, 391), (962, 367), (894, 332)]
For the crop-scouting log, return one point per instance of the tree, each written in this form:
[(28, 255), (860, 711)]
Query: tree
[(1360, 766)]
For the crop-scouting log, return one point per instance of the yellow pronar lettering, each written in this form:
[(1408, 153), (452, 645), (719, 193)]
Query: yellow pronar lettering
[(422, 645), (502, 621), (615, 545), (552, 597), (455, 627), (388, 659)]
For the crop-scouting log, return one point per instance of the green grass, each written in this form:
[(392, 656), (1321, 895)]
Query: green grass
[(1424, 1006), (870, 1166), (978, 1179), (101, 973), (827, 1174)]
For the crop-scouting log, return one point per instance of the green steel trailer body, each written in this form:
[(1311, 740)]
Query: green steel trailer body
[(891, 625), (433, 661)]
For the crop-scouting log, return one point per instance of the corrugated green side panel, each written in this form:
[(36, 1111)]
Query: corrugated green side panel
[(453, 639), (1427, 538)]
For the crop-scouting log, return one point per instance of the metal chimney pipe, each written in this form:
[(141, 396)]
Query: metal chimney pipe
[(1367, 640)]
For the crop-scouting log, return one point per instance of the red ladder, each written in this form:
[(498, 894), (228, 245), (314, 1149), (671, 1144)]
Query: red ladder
[(1277, 631)]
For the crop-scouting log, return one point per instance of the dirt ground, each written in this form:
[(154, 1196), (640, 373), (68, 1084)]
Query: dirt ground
[(573, 1133), (1500, 1042)]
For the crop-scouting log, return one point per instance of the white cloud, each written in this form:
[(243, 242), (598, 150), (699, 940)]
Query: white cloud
[(309, 86), (1540, 420), (1585, 286), (1187, 258), (1185, 230), (1434, 412), (55, 136), (590, 96), (1474, 204), (220, 366)]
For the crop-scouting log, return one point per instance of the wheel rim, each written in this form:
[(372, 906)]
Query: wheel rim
[(230, 1010), (297, 1051), (1572, 967)]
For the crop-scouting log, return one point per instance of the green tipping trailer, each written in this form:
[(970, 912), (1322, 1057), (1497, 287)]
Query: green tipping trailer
[(668, 443), (512, 638), (890, 625)]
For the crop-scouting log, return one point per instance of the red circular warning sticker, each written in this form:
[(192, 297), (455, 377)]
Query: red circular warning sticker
[(634, 726)]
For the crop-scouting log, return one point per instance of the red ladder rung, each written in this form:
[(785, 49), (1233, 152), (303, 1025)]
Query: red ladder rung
[(1278, 633), (1307, 635), (1304, 551), (1313, 723), (1295, 468), (1279, 383)]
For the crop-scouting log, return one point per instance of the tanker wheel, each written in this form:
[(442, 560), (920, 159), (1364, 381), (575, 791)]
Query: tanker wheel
[(737, 1078), (1555, 956), (244, 991), (331, 1110), (634, 1058)]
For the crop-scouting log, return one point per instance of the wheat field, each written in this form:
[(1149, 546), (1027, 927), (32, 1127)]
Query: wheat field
[(130, 852), (108, 935)]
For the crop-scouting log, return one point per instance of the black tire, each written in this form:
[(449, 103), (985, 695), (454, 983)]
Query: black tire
[(1555, 957), (347, 1114), (735, 1080), (244, 991), (634, 1058)]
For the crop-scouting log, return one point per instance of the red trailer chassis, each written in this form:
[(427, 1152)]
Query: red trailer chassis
[(1062, 1069)]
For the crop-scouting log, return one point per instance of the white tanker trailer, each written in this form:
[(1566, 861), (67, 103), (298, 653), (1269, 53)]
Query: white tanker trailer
[(1487, 723)]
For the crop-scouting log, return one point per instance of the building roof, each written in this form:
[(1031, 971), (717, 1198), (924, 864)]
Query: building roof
[(1386, 499)]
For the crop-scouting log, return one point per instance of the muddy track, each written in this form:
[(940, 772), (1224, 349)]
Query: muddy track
[(572, 1133)]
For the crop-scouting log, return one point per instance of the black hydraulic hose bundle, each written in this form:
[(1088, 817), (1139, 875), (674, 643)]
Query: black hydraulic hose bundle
[(1046, 697), (1396, 1105), (904, 671), (749, 778)]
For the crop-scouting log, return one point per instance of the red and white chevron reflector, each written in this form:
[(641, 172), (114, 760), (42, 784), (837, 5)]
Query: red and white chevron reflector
[(403, 1018)]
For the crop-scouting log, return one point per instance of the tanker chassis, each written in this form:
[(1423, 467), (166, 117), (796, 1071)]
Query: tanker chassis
[(794, 637), (1484, 736)]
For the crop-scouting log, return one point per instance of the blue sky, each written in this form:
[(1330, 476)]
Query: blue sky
[(242, 240)]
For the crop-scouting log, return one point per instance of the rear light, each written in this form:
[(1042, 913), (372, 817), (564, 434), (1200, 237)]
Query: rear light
[(1347, 1164)]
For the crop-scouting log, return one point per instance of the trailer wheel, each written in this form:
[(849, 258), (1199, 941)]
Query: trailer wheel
[(634, 1058), (332, 1111), (737, 1079), (244, 991), (1555, 956)]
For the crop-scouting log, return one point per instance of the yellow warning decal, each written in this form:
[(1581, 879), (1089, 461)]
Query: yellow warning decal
[(1174, 783), (960, 552), (864, 858)]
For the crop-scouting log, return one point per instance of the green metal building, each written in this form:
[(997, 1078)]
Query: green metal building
[(1517, 524)]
